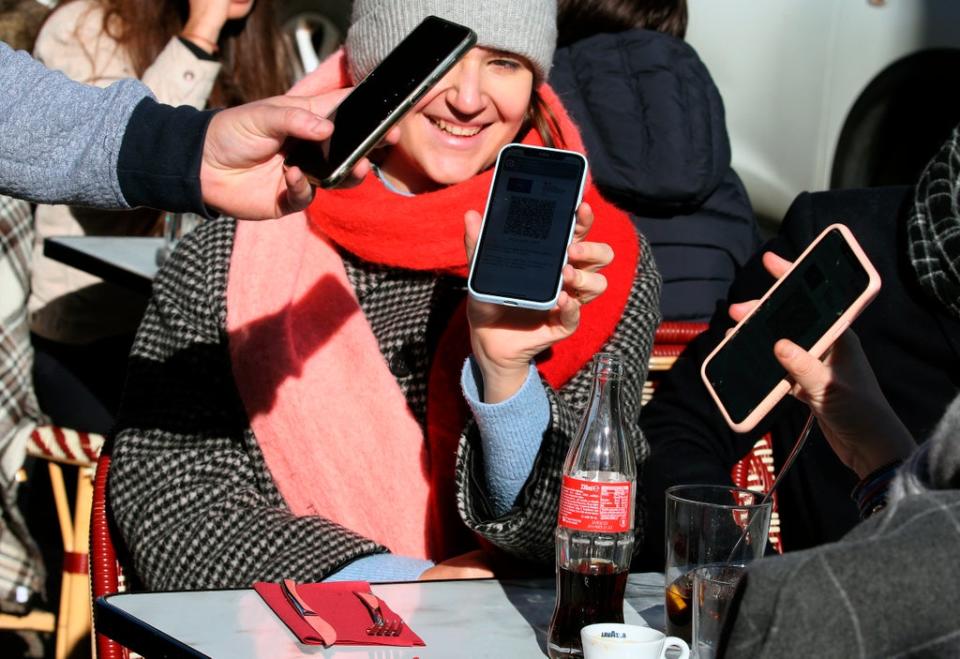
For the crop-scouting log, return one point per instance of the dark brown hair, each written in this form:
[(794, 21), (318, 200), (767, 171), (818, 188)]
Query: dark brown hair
[(542, 119), (255, 62), (578, 19)]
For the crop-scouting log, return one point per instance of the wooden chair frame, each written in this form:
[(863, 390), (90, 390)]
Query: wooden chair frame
[(63, 447)]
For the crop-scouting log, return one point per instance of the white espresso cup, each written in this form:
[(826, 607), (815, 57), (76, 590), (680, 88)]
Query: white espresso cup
[(609, 640)]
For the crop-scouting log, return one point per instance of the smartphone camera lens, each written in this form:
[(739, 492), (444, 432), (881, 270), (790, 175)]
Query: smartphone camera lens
[(510, 163)]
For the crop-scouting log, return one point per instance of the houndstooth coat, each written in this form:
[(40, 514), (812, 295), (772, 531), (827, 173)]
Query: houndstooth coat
[(189, 488)]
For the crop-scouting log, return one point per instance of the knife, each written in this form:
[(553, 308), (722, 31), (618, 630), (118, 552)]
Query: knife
[(323, 629)]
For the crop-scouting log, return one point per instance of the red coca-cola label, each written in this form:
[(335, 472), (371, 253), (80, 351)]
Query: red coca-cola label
[(593, 506)]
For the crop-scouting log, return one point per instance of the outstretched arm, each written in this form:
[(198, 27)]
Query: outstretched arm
[(118, 148)]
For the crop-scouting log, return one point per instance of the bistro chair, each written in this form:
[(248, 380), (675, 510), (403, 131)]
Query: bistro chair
[(60, 447), (106, 572), (65, 447)]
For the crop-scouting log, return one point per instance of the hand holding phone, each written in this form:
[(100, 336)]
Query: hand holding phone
[(506, 338), (528, 225), (381, 100), (842, 392), (811, 304)]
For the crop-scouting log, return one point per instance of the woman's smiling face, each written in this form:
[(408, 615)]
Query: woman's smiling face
[(456, 130)]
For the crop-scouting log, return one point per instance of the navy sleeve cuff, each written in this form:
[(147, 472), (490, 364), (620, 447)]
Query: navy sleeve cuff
[(197, 51), (159, 161)]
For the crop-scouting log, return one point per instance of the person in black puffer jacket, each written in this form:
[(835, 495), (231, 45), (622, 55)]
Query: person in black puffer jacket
[(653, 124)]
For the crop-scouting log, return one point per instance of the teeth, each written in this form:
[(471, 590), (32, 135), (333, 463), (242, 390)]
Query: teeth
[(460, 131)]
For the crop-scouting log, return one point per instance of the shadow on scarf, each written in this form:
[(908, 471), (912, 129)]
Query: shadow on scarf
[(195, 387)]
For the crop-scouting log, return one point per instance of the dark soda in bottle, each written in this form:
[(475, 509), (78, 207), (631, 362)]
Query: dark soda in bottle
[(596, 517)]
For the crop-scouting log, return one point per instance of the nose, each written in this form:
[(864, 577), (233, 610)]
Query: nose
[(465, 94)]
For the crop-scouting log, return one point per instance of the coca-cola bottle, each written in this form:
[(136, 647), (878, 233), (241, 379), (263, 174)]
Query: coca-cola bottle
[(596, 518)]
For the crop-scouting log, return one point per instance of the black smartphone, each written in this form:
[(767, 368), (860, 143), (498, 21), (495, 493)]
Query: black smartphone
[(381, 99), (823, 292), (527, 226)]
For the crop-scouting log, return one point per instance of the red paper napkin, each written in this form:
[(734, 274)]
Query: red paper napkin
[(337, 604)]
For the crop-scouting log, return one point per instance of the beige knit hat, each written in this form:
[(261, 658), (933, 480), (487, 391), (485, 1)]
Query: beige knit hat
[(523, 27)]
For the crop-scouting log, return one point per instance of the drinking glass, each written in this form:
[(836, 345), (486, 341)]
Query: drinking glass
[(708, 525), (713, 590), (175, 227)]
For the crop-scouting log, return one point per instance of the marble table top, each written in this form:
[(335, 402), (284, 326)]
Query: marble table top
[(479, 618)]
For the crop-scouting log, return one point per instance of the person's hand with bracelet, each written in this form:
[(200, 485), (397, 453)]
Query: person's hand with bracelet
[(206, 20)]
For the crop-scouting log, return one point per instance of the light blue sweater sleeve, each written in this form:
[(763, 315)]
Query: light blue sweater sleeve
[(510, 432), (382, 567)]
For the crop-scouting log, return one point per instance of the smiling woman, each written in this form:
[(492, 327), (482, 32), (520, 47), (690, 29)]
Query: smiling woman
[(459, 126), (308, 395)]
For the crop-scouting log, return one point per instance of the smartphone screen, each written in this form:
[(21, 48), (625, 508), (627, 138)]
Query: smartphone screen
[(803, 308), (530, 215), (380, 99)]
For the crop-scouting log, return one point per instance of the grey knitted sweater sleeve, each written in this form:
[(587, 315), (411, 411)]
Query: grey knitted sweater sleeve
[(61, 139)]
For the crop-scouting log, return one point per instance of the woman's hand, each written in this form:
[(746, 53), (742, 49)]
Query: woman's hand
[(206, 20), (843, 393), (472, 565), (505, 339)]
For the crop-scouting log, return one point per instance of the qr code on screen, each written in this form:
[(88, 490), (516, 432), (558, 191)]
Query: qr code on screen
[(529, 217)]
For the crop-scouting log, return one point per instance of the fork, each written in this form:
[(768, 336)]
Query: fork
[(391, 628), (381, 626)]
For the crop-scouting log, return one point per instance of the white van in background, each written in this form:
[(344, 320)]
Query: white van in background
[(830, 93)]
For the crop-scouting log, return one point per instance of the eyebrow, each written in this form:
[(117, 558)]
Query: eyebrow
[(496, 52)]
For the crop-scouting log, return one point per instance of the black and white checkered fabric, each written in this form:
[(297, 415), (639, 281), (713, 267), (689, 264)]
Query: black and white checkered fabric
[(21, 571), (189, 487), (934, 226)]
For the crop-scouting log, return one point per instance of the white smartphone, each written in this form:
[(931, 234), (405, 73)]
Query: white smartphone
[(527, 227), (381, 100), (825, 289)]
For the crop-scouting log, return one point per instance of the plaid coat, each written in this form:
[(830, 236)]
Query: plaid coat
[(189, 487), (20, 564)]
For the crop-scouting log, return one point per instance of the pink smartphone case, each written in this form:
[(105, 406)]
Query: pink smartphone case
[(818, 349)]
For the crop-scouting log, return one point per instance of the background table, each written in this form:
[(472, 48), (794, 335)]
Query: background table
[(126, 260), (482, 618)]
